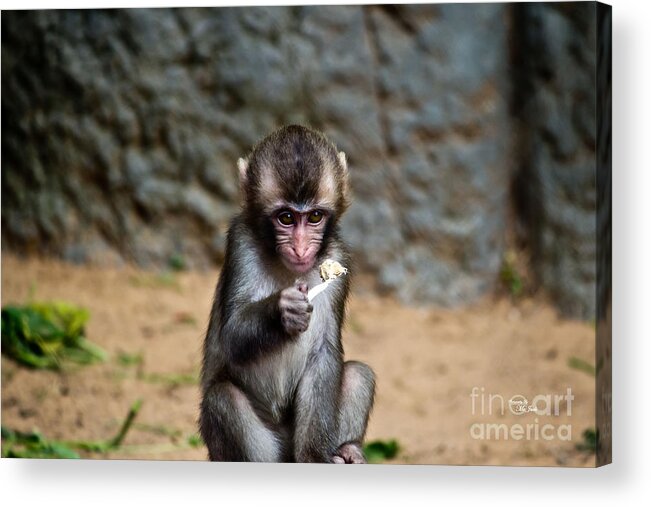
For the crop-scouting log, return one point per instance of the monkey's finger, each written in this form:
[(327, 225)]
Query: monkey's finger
[(294, 300), (295, 294), (301, 318), (298, 297), (301, 287), (299, 308)]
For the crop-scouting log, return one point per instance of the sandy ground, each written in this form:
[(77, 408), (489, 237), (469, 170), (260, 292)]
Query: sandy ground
[(427, 361)]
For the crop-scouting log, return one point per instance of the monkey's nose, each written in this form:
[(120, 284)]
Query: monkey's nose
[(300, 256), (300, 252)]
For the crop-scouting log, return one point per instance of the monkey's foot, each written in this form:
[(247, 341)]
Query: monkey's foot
[(349, 453)]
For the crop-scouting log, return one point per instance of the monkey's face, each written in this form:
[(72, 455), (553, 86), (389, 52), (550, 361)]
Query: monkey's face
[(299, 233), (295, 188)]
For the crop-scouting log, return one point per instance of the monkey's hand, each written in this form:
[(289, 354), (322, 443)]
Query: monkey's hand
[(349, 453), (295, 309)]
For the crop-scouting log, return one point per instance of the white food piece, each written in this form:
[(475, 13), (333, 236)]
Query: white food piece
[(331, 269)]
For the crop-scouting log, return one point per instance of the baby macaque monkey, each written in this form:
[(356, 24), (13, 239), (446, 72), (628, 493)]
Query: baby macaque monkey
[(274, 383)]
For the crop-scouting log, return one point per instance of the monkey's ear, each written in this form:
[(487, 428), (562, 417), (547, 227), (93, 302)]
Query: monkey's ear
[(345, 188), (243, 167), (342, 160)]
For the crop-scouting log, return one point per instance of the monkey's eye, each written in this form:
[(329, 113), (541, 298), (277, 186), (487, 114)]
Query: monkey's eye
[(315, 217), (285, 218)]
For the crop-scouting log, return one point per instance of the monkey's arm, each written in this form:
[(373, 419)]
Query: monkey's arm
[(242, 329), (252, 329)]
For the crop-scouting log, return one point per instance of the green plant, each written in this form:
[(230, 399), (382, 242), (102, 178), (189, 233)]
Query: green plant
[(127, 359), (17, 444), (378, 451), (163, 280), (510, 276), (171, 380), (589, 442), (581, 365), (195, 440), (173, 434), (46, 335), (177, 262)]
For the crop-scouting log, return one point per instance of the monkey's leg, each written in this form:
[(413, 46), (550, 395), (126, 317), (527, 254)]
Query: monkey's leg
[(231, 428), (315, 433), (357, 392)]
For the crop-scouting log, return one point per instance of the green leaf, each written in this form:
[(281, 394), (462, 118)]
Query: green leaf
[(46, 335), (177, 262), (16, 444), (581, 365), (381, 450), (127, 359), (171, 380), (511, 278), (589, 443), (195, 440)]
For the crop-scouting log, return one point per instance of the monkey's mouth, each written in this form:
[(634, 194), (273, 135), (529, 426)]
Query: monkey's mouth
[(302, 266)]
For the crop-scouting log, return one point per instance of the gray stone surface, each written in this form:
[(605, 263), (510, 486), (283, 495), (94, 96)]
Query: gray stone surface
[(121, 128), (556, 179)]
